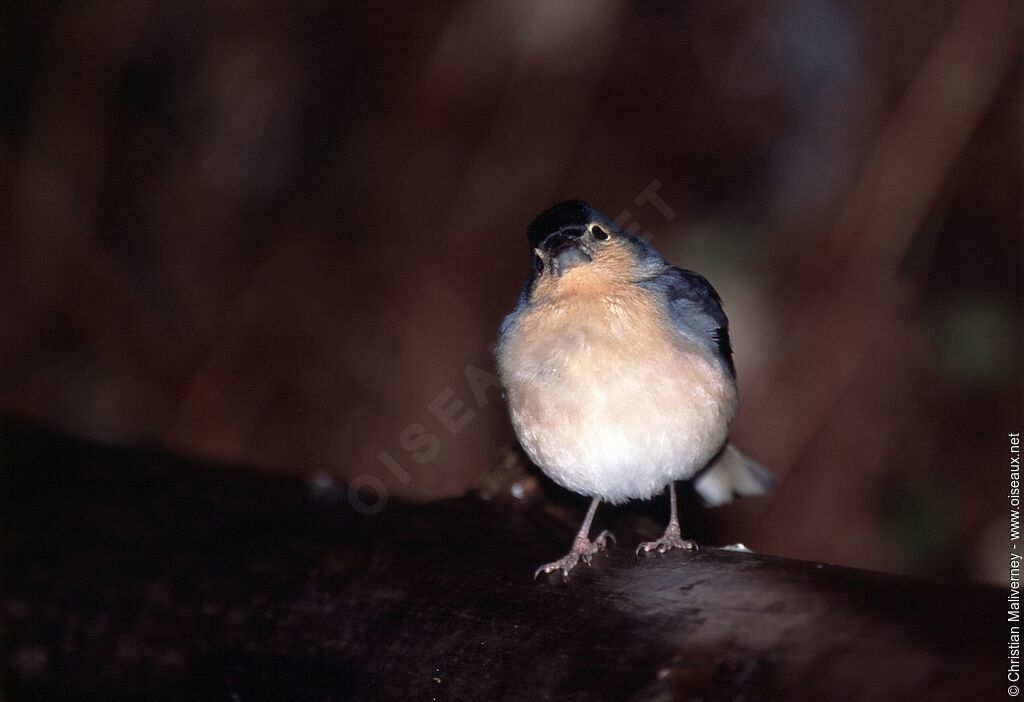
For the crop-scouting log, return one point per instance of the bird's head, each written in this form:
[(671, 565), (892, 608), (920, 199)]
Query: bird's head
[(575, 246)]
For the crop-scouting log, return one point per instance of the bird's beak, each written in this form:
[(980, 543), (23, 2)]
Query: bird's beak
[(565, 252), (569, 258)]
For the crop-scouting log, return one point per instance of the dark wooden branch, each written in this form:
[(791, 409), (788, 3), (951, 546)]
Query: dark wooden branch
[(133, 574)]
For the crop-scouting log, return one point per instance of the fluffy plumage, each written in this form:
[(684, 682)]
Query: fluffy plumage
[(619, 372)]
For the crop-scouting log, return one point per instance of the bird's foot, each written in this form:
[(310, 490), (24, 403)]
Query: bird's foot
[(673, 538), (582, 548)]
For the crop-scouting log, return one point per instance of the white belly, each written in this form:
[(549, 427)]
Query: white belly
[(615, 417)]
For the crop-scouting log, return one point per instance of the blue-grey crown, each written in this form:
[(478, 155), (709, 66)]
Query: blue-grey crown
[(571, 213)]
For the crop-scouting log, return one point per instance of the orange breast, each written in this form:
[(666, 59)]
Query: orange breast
[(600, 385)]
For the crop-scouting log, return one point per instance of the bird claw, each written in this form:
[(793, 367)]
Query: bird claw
[(581, 549), (672, 539)]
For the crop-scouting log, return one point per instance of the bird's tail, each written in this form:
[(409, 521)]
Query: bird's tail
[(731, 474)]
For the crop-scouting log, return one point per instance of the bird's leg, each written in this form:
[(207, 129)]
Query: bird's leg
[(582, 546), (673, 537)]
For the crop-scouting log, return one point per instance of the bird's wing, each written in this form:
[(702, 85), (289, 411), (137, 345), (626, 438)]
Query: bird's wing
[(695, 309)]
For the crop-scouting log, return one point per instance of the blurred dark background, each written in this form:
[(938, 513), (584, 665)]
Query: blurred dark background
[(285, 234)]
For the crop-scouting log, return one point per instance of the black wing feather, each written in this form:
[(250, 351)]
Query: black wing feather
[(695, 308)]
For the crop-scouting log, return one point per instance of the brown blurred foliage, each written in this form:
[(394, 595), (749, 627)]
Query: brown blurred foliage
[(282, 233)]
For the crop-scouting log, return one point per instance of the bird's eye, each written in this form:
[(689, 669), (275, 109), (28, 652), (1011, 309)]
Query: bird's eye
[(538, 264), (599, 234)]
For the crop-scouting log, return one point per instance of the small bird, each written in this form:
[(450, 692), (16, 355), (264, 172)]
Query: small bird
[(619, 377)]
